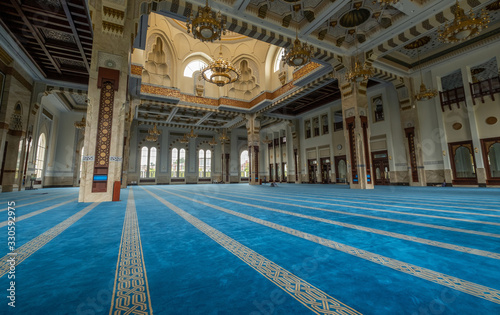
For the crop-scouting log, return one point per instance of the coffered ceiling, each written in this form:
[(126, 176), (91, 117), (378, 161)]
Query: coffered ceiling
[(345, 27), (55, 34)]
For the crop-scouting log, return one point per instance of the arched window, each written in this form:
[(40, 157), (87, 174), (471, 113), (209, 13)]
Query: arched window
[(204, 163), (148, 162), (192, 67), (18, 162), (144, 162), (174, 167), (182, 163), (201, 163), (244, 162), (279, 57), (40, 156), (152, 162), (81, 162), (208, 164), (178, 163)]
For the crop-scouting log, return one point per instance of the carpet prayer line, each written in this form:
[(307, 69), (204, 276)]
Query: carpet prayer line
[(304, 292), (28, 249), (130, 289), (474, 289), (458, 248)]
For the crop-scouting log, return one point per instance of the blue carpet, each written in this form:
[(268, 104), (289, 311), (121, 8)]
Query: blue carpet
[(189, 272)]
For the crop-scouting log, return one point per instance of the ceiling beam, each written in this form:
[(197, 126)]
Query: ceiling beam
[(172, 114), (75, 34), (328, 12), (35, 33), (202, 119)]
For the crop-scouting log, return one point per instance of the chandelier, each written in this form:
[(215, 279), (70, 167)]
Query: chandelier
[(191, 135), (154, 131), (184, 139), (207, 26), (267, 140), (81, 124), (424, 94), (213, 142), (360, 72), (220, 72), (152, 138), (463, 27), (223, 138), (298, 54)]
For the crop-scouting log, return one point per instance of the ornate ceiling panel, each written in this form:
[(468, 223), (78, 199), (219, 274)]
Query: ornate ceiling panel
[(55, 34)]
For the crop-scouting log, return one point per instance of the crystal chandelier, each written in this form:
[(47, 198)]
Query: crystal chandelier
[(360, 72), (154, 131), (267, 140), (463, 27), (213, 142), (191, 135), (184, 139), (223, 138), (81, 124), (207, 26), (425, 94), (297, 54), (220, 72), (152, 138)]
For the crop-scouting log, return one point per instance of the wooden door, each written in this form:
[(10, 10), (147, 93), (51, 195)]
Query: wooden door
[(380, 162), (341, 169), (325, 170), (312, 168)]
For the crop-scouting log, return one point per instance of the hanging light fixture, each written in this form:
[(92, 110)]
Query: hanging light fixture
[(154, 131), (223, 138), (207, 26), (184, 139), (220, 72), (360, 72), (267, 140), (212, 142), (81, 124), (424, 94), (191, 135), (464, 26), (297, 54), (152, 138)]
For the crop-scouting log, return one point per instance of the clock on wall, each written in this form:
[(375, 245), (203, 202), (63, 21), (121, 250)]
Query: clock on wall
[(339, 147)]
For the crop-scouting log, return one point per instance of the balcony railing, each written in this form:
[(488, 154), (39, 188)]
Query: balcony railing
[(486, 87)]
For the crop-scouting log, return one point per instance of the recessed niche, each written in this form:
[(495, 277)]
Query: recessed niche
[(491, 120), (457, 126)]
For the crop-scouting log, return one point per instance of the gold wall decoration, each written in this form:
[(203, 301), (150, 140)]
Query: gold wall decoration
[(491, 120), (305, 70), (457, 126)]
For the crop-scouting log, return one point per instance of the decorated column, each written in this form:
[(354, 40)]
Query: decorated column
[(107, 94), (357, 133), (253, 133), (411, 129)]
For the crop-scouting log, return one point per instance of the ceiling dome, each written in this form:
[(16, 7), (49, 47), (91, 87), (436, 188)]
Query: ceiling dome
[(354, 18)]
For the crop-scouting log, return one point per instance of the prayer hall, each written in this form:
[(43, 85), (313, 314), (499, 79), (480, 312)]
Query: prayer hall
[(256, 157)]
